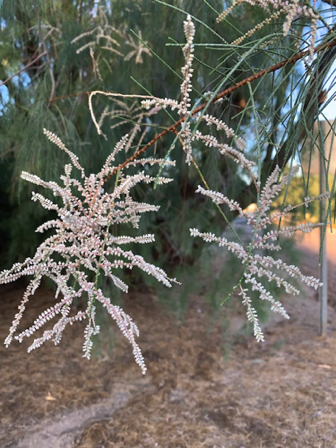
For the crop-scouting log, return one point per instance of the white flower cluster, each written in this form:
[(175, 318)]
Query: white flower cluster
[(101, 33), (184, 108), (220, 125), (187, 70), (82, 248), (256, 264), (101, 39), (292, 10)]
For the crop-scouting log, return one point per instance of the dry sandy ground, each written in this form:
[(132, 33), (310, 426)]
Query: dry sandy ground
[(206, 386)]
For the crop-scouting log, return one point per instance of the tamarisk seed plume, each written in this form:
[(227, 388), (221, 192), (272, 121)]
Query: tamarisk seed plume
[(82, 248), (256, 264)]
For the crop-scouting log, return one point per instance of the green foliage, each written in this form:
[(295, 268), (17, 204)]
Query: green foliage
[(297, 194)]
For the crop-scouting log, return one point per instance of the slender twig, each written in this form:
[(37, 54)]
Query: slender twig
[(220, 95), (94, 92), (71, 95), (24, 68), (225, 92)]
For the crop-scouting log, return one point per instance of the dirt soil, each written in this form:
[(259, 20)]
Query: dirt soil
[(205, 386)]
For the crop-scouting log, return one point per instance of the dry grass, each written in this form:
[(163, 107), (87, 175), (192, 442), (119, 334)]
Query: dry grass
[(203, 389)]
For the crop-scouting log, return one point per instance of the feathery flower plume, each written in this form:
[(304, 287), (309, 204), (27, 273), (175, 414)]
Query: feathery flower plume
[(291, 9), (82, 248), (256, 264), (139, 48), (184, 108), (100, 39)]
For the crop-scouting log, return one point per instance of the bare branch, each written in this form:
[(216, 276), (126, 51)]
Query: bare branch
[(24, 68), (223, 94)]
